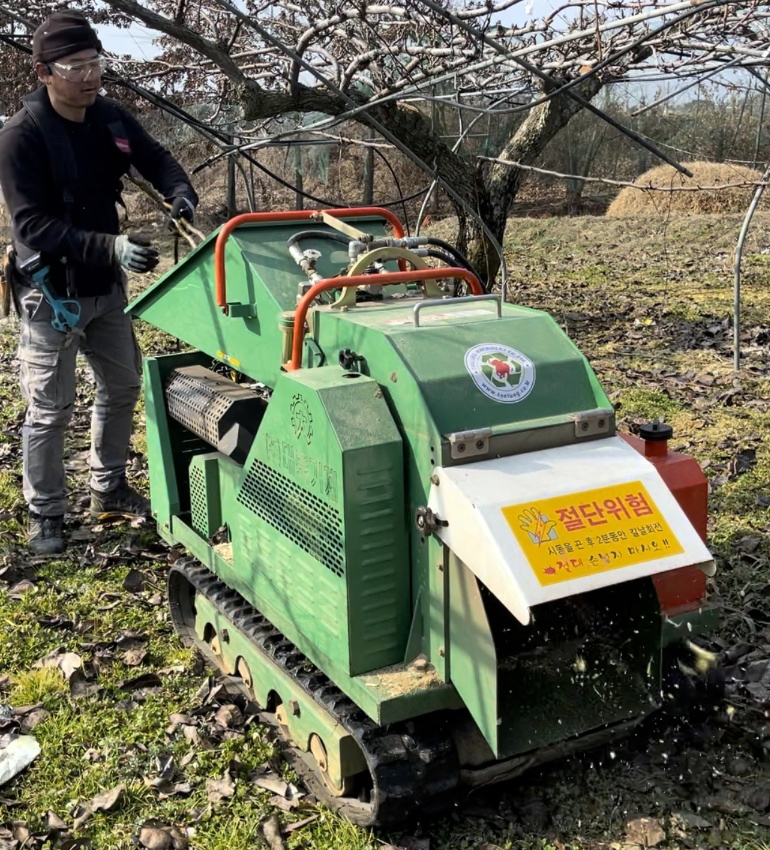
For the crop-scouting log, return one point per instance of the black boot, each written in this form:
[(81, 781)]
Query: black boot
[(45, 535), (120, 500)]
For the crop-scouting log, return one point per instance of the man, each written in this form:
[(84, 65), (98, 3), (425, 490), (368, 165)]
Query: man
[(61, 160)]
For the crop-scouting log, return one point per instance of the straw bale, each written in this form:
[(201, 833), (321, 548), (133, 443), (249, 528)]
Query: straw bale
[(632, 201)]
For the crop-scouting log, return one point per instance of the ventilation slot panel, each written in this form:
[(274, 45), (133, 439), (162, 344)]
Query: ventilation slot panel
[(205, 495), (299, 515), (198, 501)]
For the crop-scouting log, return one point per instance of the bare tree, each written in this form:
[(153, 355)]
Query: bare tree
[(378, 64)]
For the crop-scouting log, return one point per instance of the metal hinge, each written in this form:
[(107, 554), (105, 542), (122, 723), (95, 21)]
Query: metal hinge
[(469, 443), (427, 522), (589, 423)]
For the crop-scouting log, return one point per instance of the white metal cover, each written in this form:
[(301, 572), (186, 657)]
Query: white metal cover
[(554, 523)]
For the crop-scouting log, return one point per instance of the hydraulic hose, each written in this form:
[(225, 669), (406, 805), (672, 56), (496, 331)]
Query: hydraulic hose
[(316, 234), (306, 264), (451, 250), (440, 255), (412, 242), (449, 260), (456, 257)]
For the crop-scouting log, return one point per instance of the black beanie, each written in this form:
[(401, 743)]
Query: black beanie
[(61, 34)]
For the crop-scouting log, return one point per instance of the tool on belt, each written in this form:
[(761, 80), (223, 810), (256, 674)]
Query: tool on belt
[(66, 311), (6, 273)]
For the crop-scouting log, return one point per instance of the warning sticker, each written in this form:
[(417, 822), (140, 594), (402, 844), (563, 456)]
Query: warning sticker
[(580, 534), (236, 364)]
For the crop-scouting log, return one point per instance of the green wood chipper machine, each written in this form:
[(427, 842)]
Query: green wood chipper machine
[(414, 534)]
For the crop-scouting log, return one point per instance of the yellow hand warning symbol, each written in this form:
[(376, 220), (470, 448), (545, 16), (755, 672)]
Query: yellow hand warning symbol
[(537, 525)]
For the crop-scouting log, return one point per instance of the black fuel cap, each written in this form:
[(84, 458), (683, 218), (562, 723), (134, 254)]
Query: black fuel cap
[(656, 431)]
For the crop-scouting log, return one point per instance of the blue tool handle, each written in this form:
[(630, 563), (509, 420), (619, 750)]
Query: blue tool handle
[(65, 312), (64, 320)]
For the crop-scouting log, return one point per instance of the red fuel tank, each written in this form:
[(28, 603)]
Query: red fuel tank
[(682, 589)]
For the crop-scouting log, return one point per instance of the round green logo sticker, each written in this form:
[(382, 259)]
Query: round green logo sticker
[(500, 372)]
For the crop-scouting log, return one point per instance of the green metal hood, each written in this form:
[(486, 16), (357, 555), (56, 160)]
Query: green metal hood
[(472, 369)]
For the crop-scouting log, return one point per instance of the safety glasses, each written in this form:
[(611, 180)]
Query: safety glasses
[(78, 71)]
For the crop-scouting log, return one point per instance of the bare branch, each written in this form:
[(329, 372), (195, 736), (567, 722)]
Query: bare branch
[(182, 33), (644, 187)]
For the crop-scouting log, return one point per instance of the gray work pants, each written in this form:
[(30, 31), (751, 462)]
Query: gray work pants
[(105, 337)]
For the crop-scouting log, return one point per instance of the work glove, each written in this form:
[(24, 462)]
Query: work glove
[(181, 208), (135, 253)]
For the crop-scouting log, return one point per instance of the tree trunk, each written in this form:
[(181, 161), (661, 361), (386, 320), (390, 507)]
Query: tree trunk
[(299, 202), (231, 194), (573, 196), (369, 172), (499, 184)]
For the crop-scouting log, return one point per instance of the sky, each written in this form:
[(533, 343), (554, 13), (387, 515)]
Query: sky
[(136, 40)]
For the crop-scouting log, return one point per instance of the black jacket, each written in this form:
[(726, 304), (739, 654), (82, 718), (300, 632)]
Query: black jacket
[(37, 208)]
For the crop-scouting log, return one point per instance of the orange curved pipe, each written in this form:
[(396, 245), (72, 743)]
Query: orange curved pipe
[(228, 227), (361, 280)]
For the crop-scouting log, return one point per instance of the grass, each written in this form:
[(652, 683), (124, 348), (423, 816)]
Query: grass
[(92, 745), (45, 686), (648, 301)]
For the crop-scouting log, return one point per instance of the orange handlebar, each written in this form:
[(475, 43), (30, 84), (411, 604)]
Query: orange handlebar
[(291, 215), (361, 280)]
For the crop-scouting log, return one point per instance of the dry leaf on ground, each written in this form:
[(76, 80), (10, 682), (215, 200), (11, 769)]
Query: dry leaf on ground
[(32, 719), (53, 821), (273, 783), (21, 589), (229, 716), (271, 830), (136, 581), (67, 662), (647, 832), (134, 657), (100, 803), (131, 640), (219, 789), (143, 682), (156, 836), (690, 820)]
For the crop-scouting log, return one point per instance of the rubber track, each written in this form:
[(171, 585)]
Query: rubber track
[(413, 764)]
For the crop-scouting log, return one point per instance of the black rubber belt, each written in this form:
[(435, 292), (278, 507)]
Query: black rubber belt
[(413, 764)]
